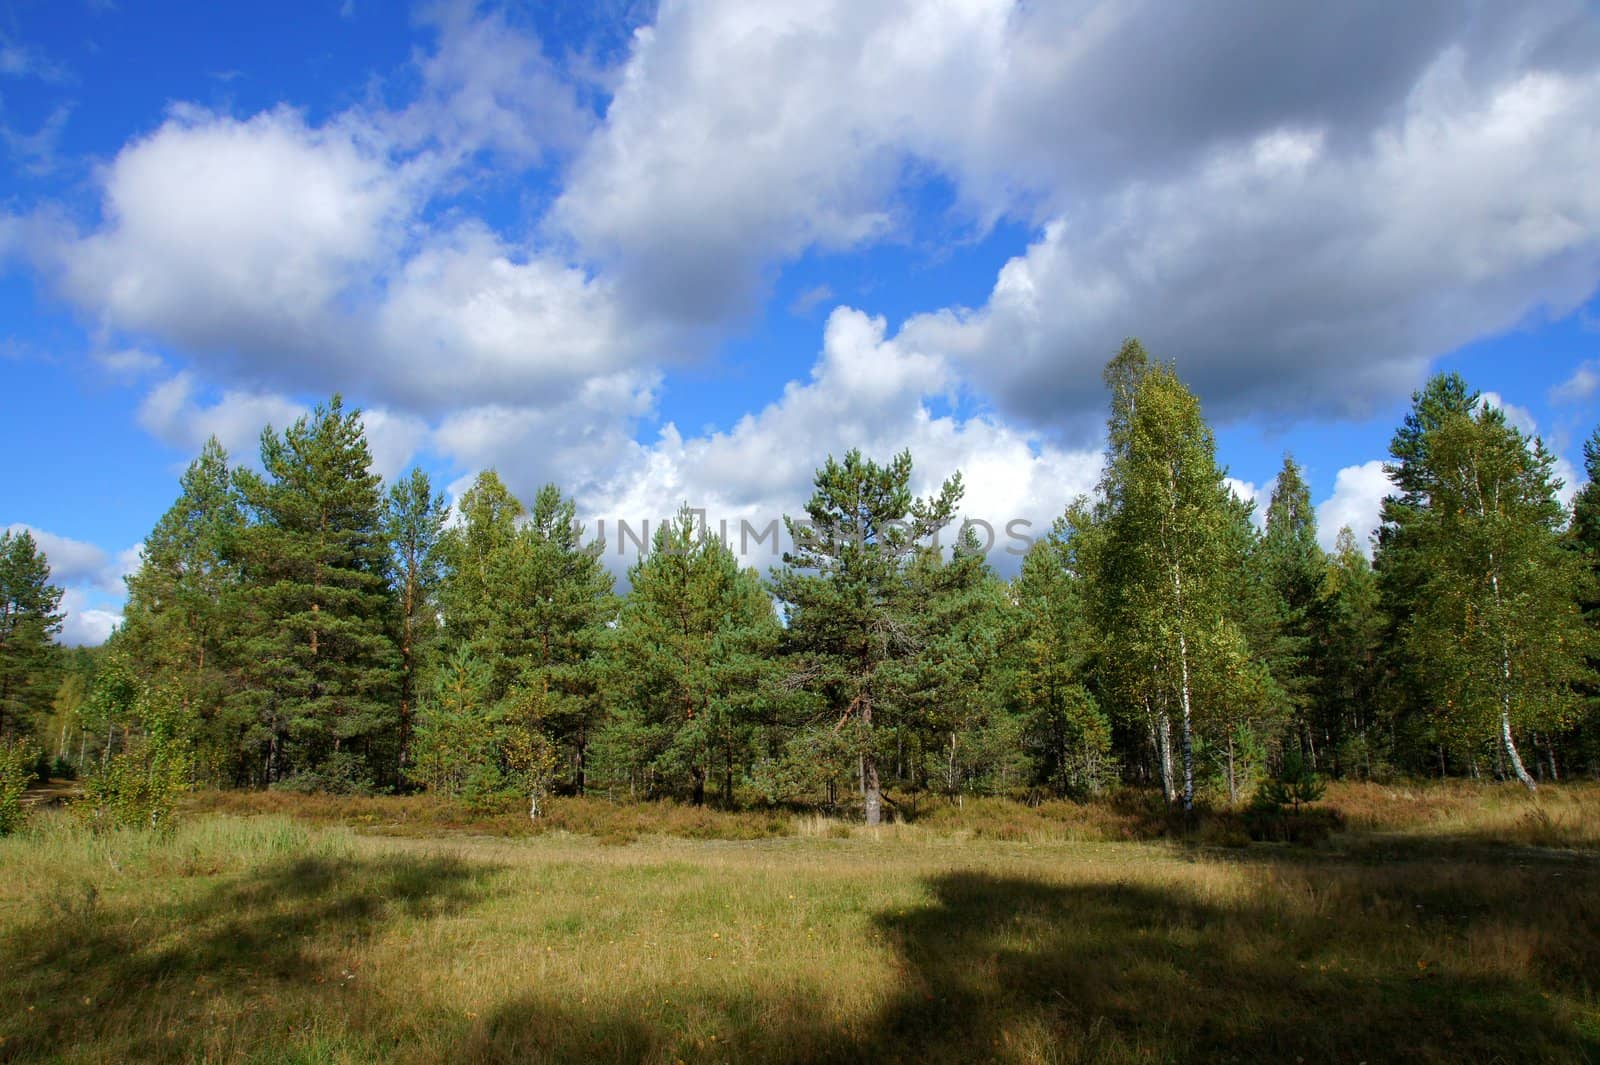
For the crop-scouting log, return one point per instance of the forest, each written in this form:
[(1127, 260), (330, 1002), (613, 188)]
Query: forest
[(298, 625)]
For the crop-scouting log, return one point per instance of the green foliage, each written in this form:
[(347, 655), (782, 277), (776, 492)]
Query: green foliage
[(139, 784), (1165, 547), (1496, 638), (1294, 785), (844, 587), (312, 643), (30, 618), (17, 759), (455, 727), (1049, 647), (689, 661), (414, 520)]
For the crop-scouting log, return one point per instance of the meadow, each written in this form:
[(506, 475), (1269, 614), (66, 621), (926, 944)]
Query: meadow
[(1435, 923)]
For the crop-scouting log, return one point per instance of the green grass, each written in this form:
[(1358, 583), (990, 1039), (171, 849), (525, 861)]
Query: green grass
[(1460, 931)]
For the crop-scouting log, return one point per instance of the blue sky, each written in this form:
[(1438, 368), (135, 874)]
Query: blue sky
[(684, 252)]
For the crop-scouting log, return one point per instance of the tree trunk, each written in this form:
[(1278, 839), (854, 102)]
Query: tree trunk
[(1510, 744), (698, 773), (869, 768), (1233, 788), (1188, 739)]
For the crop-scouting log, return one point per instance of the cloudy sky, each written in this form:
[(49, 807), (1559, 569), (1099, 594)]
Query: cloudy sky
[(684, 251)]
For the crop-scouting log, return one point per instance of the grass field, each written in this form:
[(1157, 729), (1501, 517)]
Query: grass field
[(1440, 924)]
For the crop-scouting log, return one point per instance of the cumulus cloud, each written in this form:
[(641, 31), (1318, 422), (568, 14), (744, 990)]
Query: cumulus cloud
[(91, 580), (865, 391), (1583, 383), (175, 413), (1302, 241), (1357, 501)]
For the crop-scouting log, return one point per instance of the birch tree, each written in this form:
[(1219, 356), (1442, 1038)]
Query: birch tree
[(1498, 631)]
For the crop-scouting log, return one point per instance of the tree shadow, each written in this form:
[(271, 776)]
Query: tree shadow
[(1013, 969), (170, 981)]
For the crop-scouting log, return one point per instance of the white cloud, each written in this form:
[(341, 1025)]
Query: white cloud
[(91, 580), (1583, 383), (1519, 418), (86, 624), (1309, 279), (1258, 497), (864, 392), (174, 413), (1357, 501)]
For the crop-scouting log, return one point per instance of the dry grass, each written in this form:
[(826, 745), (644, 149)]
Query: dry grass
[(270, 938)]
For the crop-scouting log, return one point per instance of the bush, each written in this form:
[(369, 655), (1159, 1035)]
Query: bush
[(140, 787), (17, 762), (63, 769)]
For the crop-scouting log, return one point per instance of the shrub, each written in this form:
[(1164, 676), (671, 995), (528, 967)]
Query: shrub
[(63, 769), (17, 761), (140, 786), (1281, 811)]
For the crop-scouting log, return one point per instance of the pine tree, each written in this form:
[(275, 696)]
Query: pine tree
[(178, 616), (1294, 567), (30, 618), (1400, 569), (1497, 634), (1050, 654), (844, 587), (320, 667), (955, 613), (414, 524), (548, 619), (1353, 633), (688, 656), (468, 598)]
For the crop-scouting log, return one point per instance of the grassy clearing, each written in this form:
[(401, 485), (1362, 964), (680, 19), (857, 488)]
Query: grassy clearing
[(263, 937)]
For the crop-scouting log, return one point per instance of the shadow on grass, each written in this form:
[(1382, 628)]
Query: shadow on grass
[(1010, 969), (188, 979)]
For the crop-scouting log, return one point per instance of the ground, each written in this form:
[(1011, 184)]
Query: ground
[(1440, 924)]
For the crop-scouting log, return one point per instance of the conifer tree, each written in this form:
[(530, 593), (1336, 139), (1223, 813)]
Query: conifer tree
[(1294, 567), (547, 622), (414, 523), (176, 624), (1050, 652), (1400, 568), (30, 618), (314, 642), (1353, 633), (844, 587), (955, 610), (688, 657)]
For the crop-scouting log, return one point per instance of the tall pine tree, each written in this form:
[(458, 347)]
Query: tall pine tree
[(30, 618), (314, 638)]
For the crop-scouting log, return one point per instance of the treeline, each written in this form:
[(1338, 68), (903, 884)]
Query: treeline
[(308, 627)]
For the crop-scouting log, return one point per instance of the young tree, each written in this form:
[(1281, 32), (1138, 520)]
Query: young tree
[(1166, 560), (957, 613), (1496, 630), (1352, 634), (314, 637), (30, 618), (178, 617), (1050, 652), (414, 520), (468, 597), (549, 616), (687, 656), (844, 587), (1294, 567)]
